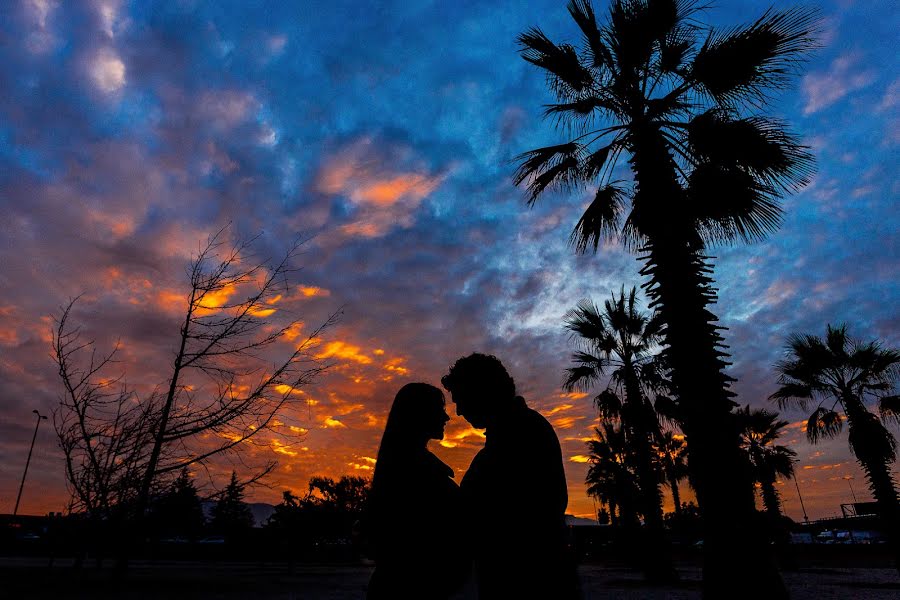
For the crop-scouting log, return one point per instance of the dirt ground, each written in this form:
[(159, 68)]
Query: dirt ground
[(30, 578)]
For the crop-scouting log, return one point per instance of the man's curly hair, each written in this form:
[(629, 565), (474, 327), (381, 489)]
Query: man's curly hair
[(482, 371)]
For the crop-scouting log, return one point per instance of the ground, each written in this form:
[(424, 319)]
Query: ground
[(31, 578)]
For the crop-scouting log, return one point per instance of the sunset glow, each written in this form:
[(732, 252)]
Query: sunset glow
[(385, 143)]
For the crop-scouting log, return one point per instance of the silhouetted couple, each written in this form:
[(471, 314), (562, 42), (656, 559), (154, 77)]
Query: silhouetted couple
[(507, 515)]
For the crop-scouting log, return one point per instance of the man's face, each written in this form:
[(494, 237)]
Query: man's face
[(471, 406)]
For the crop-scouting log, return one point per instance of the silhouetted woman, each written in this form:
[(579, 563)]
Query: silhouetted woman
[(414, 520)]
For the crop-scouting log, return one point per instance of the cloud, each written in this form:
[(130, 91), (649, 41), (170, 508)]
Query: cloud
[(226, 109), (344, 350), (891, 97), (843, 77), (107, 71), (384, 194)]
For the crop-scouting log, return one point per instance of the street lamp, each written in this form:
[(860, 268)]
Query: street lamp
[(805, 518), (40, 418), (852, 493)]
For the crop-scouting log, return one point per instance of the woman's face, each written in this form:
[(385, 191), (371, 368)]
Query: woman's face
[(437, 419)]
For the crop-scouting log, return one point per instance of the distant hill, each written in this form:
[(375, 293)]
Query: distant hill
[(261, 511), (572, 521)]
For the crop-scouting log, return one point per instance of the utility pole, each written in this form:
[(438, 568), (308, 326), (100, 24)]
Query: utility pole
[(40, 418), (799, 495)]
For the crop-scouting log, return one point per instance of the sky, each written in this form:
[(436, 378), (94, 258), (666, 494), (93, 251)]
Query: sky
[(384, 134)]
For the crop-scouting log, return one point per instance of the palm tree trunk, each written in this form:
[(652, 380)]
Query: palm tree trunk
[(676, 496), (736, 556), (657, 561), (770, 498), (869, 440)]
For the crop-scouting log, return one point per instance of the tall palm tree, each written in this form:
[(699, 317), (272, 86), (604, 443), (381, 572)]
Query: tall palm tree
[(759, 431), (620, 341), (671, 97), (673, 457), (843, 376), (610, 478)]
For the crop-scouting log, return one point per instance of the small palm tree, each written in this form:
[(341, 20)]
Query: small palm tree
[(673, 457), (845, 376), (620, 341), (610, 478), (759, 430), (680, 103)]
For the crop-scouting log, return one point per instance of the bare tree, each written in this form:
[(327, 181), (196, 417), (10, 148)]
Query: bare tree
[(223, 388)]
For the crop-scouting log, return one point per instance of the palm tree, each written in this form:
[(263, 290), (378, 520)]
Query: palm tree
[(844, 375), (622, 339), (610, 478), (652, 85), (673, 457), (759, 431)]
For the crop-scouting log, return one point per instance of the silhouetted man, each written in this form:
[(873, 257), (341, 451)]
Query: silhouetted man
[(514, 492)]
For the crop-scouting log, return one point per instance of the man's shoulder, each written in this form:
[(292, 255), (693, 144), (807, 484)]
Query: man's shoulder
[(536, 419), (537, 424)]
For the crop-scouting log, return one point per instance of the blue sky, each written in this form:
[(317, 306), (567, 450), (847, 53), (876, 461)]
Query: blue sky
[(385, 133)]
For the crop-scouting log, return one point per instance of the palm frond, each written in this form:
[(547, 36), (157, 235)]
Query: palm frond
[(566, 74), (586, 321), (781, 460), (792, 394), (608, 404), (822, 424), (593, 163), (889, 408), (552, 165), (600, 221), (585, 375), (583, 14), (740, 63), (729, 203), (579, 110), (759, 145)]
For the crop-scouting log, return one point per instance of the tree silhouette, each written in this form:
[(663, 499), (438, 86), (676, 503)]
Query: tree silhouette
[(610, 477), (842, 376), (225, 385), (759, 431), (178, 510), (231, 516), (673, 457), (620, 340), (673, 97)]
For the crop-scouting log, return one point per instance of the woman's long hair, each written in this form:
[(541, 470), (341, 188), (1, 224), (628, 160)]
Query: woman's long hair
[(410, 412)]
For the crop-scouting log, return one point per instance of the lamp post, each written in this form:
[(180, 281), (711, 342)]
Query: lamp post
[(852, 493), (40, 418), (805, 518)]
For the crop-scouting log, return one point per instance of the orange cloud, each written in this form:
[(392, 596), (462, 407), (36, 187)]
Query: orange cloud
[(580, 458), (566, 422), (389, 191), (385, 196), (283, 449), (284, 390), (338, 349), (331, 423), (293, 332), (560, 408), (311, 290)]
